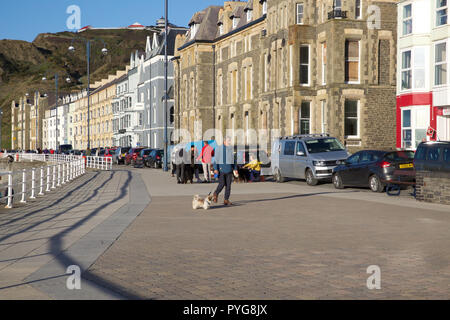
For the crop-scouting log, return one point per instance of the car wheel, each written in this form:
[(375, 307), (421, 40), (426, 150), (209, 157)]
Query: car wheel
[(375, 184), (278, 177), (155, 165), (310, 180), (337, 181)]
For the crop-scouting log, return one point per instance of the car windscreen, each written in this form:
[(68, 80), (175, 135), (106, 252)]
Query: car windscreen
[(400, 156), (324, 145)]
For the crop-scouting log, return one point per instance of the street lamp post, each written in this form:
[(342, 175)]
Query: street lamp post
[(1, 120), (88, 56), (166, 168)]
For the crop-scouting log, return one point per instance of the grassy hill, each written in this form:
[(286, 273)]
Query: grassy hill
[(23, 64)]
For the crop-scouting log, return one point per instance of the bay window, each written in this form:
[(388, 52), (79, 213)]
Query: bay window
[(407, 19), (304, 65), (352, 61), (299, 13), (406, 70), (441, 12), (305, 117)]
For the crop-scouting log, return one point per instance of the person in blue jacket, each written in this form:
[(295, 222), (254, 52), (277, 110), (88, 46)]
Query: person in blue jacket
[(224, 166)]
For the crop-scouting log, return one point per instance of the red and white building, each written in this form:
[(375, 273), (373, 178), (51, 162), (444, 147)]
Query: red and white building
[(423, 88)]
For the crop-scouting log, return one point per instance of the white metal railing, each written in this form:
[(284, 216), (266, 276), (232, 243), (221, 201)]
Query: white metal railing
[(102, 163), (60, 169)]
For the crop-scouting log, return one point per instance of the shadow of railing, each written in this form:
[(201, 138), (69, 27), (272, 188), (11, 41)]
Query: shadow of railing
[(56, 242)]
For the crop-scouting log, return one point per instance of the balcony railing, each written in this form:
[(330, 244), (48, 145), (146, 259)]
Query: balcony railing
[(337, 13)]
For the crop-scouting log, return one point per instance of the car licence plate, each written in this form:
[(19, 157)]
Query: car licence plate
[(406, 166)]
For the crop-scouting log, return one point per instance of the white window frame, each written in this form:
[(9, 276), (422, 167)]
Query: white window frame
[(249, 15), (324, 65), (194, 29), (299, 16), (358, 126), (235, 22), (440, 9), (264, 7), (309, 65), (407, 19), (323, 106), (435, 44), (221, 28)]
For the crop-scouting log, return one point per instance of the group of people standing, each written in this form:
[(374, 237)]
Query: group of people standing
[(187, 164)]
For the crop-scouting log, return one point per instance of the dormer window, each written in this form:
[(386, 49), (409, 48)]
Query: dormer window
[(194, 29), (221, 28), (264, 7), (249, 15), (235, 22)]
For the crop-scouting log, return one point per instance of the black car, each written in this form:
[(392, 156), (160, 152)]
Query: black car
[(433, 156), (154, 159), (369, 168), (141, 158)]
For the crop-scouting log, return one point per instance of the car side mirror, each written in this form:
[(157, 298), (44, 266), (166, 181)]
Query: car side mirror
[(300, 154)]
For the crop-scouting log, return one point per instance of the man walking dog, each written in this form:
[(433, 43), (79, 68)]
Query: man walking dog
[(225, 166)]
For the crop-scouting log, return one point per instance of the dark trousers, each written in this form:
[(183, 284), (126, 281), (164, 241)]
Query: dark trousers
[(225, 180)]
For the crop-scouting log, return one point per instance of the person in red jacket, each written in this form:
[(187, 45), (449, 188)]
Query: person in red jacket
[(206, 158)]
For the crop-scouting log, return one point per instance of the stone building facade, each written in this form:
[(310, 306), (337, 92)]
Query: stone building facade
[(296, 66)]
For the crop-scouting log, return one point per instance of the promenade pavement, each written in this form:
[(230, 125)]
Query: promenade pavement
[(134, 235), (279, 241)]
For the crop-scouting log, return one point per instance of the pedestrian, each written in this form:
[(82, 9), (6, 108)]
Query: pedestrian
[(206, 158), (180, 166), (225, 166), (254, 167), (194, 167)]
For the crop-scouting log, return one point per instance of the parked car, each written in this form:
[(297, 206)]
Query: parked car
[(108, 152), (65, 149), (312, 157), (120, 154), (154, 160), (369, 168), (141, 159), (433, 156), (132, 155), (76, 152)]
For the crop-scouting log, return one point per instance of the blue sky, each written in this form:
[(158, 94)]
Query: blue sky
[(25, 19)]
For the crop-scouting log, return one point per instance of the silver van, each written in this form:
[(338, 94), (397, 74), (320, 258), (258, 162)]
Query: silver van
[(311, 157)]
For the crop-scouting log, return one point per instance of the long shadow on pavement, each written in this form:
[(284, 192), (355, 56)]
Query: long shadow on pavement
[(57, 240)]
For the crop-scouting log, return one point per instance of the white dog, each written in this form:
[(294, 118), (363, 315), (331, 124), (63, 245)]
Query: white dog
[(199, 202)]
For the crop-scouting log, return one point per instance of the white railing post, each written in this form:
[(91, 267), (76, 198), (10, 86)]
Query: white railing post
[(24, 186), (63, 178), (10, 190), (41, 189), (54, 177), (33, 183), (71, 170), (59, 175), (48, 179)]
